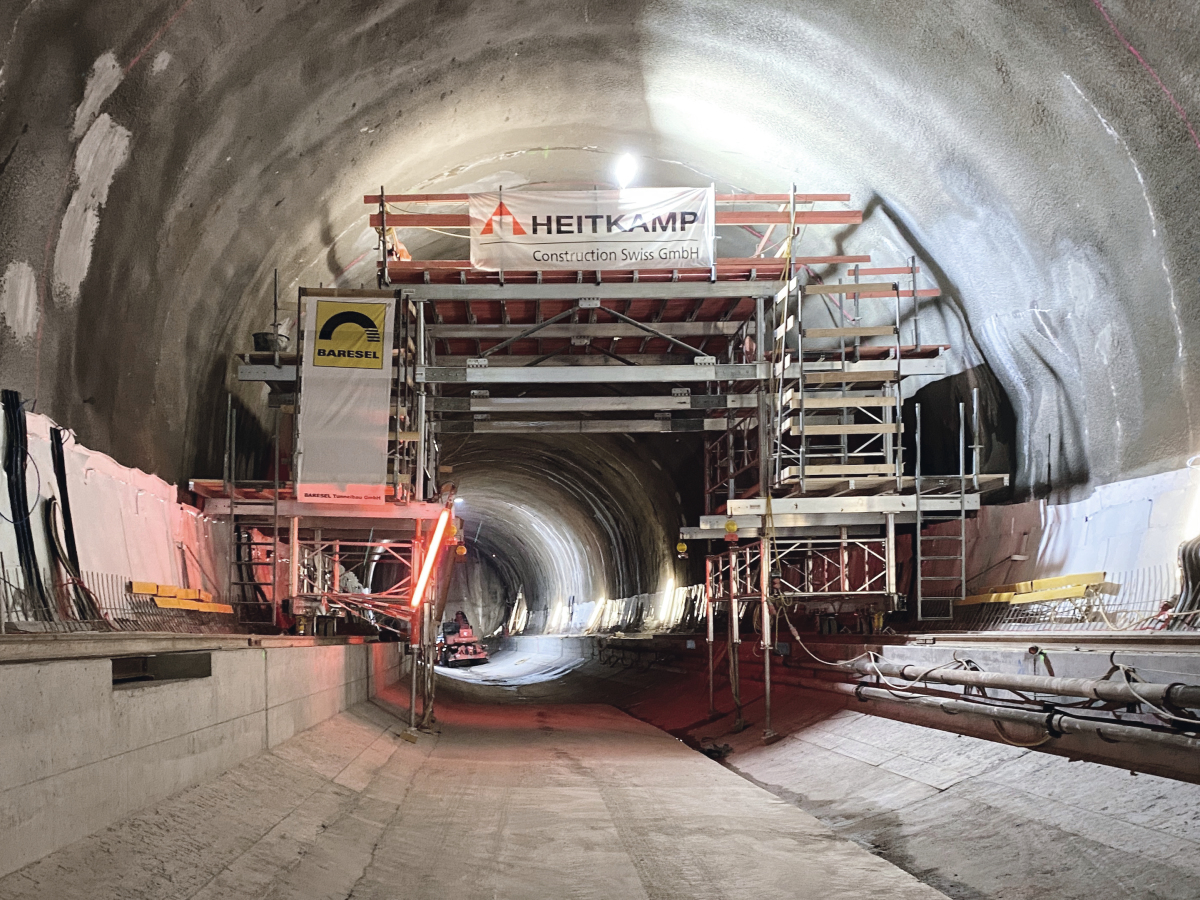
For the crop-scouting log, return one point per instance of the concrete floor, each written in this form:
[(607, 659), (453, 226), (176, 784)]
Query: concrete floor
[(506, 801)]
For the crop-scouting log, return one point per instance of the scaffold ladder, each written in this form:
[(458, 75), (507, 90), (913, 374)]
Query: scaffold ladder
[(940, 572)]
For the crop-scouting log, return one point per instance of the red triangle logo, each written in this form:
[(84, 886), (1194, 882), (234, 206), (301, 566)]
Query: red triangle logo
[(501, 212)]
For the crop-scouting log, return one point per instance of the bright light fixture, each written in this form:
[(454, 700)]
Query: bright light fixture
[(627, 168), (431, 552), (458, 499)]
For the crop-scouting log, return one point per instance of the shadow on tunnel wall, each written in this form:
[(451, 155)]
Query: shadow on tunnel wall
[(939, 435)]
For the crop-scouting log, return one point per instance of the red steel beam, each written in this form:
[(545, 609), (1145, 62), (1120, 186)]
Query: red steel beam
[(726, 217), (373, 199), (729, 262)]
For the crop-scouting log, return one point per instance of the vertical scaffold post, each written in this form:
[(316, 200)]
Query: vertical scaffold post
[(384, 278), (916, 308), (765, 418), (275, 606), (228, 487), (889, 553), (899, 408), (293, 556), (414, 630), (735, 641), (764, 565), (843, 560), (419, 475), (976, 445), (708, 612), (920, 522), (234, 541), (962, 504)]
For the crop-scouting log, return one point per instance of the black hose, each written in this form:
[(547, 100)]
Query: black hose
[(16, 456), (64, 497)]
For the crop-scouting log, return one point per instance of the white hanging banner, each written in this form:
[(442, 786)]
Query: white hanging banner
[(345, 401), (637, 228)]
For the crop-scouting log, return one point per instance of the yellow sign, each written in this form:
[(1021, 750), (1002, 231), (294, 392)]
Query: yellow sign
[(350, 335)]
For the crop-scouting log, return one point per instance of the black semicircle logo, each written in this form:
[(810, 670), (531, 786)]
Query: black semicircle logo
[(350, 317)]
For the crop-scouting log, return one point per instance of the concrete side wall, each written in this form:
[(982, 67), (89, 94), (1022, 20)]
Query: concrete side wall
[(77, 753)]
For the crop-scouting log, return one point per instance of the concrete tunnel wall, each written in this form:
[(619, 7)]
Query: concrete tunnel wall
[(158, 163), (81, 753)]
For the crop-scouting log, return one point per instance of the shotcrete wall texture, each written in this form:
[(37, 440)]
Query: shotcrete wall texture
[(157, 160)]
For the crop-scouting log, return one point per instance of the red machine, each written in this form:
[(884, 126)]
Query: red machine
[(458, 646)]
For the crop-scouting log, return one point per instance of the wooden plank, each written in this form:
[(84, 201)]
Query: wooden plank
[(839, 402), (980, 599), (923, 292), (223, 608), (1073, 592), (850, 470), (1042, 584), (846, 377), (888, 270), (143, 587), (871, 287), (195, 605), (861, 331), (877, 428)]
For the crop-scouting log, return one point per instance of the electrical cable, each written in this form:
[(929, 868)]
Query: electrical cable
[(16, 457), (1129, 674), (37, 493)]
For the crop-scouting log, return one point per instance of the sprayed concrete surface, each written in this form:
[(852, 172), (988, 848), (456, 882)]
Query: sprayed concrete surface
[(506, 801)]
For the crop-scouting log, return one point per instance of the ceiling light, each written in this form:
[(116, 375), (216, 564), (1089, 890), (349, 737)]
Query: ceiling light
[(627, 168)]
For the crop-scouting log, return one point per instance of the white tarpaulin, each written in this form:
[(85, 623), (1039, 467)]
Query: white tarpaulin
[(345, 400), (637, 228)]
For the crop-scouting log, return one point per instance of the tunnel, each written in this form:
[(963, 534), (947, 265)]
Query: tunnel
[(701, 673)]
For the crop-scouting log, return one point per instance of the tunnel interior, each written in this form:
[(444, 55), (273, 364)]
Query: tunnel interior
[(172, 175), (160, 165)]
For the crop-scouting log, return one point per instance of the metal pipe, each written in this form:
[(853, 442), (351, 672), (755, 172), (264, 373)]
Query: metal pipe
[(735, 643), (916, 309), (976, 447), (414, 633), (765, 628), (712, 709), (419, 475), (1054, 724), (889, 552), (1178, 695), (294, 556)]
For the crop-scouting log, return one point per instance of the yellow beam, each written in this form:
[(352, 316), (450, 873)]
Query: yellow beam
[(1044, 584)]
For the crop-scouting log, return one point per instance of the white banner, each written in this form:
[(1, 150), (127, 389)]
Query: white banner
[(345, 401), (637, 228)]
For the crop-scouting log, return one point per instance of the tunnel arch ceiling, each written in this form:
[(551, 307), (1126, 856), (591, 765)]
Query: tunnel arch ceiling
[(1037, 166)]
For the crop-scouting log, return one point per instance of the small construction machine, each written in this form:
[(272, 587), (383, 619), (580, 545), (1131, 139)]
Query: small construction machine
[(457, 645)]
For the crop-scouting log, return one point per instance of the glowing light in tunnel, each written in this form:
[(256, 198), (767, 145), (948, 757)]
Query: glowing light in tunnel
[(626, 170), (431, 552), (458, 499), (1192, 529)]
